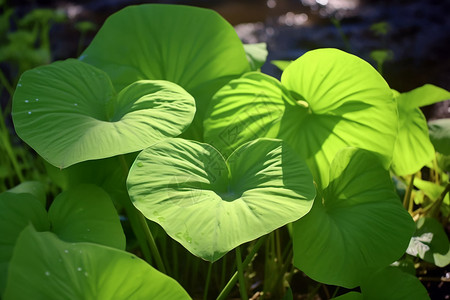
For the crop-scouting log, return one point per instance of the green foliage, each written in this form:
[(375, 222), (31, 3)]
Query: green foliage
[(312, 152)]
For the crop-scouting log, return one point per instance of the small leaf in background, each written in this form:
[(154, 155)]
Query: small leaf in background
[(440, 135), (359, 226), (59, 270), (393, 284), (36, 188), (430, 242), (210, 205), (68, 112), (86, 214), (190, 46), (256, 55), (413, 148), (281, 64)]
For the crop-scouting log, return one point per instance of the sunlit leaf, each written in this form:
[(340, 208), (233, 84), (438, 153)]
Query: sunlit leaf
[(68, 112), (256, 55), (440, 135), (59, 270), (358, 227), (210, 205)]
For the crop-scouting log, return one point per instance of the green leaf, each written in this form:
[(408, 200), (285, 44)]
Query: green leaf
[(86, 214), (425, 95), (350, 296), (413, 148), (59, 270), (17, 210), (440, 135), (193, 47), (359, 226), (256, 55), (36, 188), (430, 242), (327, 100), (281, 64), (210, 205), (391, 283), (68, 112)]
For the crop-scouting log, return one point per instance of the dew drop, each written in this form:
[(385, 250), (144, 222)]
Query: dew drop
[(36, 99), (88, 229), (19, 84), (140, 164), (29, 112), (76, 104), (47, 273), (26, 101), (66, 251), (79, 269), (86, 274)]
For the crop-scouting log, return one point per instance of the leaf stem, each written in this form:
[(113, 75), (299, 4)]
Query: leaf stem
[(208, 280), (434, 211), (242, 285), (227, 289), (407, 198)]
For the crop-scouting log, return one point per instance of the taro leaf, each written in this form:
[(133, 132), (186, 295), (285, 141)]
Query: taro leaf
[(425, 95), (60, 270), (210, 205), (440, 135), (413, 148), (256, 55), (393, 284), (359, 226), (35, 188), (335, 100), (16, 212), (86, 214), (430, 242), (193, 47), (68, 112), (432, 190)]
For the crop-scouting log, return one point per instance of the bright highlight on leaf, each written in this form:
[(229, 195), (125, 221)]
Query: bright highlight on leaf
[(210, 205), (190, 46), (69, 112), (327, 100), (59, 270), (358, 227)]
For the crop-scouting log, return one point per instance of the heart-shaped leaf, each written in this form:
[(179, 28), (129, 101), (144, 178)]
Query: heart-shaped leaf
[(193, 47), (210, 205), (59, 270), (359, 226), (327, 100), (430, 242), (256, 55), (68, 112)]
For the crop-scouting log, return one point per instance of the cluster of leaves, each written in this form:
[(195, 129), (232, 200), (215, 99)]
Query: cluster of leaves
[(168, 109)]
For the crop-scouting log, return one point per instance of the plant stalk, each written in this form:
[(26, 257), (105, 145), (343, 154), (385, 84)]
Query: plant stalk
[(407, 198), (242, 285), (208, 280), (227, 289)]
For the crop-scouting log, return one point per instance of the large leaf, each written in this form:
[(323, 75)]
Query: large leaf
[(193, 47), (210, 205), (440, 135), (17, 210), (59, 270), (359, 226), (430, 242), (413, 148), (68, 112), (334, 100)]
